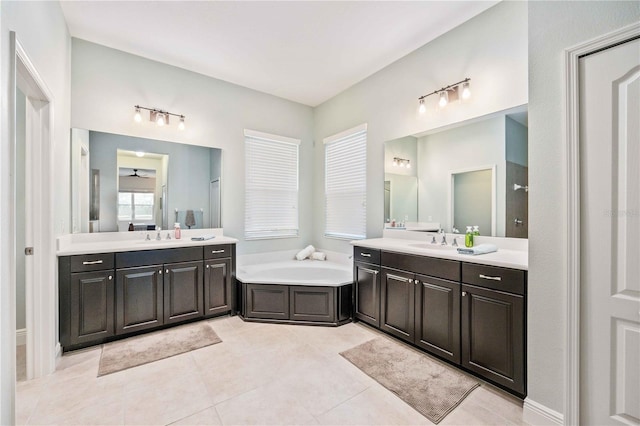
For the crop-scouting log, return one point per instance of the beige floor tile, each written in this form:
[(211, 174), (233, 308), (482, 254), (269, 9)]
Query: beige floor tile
[(374, 406), (208, 417), (260, 374), (263, 406)]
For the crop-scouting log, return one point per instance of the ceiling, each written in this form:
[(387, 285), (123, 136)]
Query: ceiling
[(306, 52)]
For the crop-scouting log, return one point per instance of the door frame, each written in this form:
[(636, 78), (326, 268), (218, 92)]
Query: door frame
[(41, 300), (572, 155)]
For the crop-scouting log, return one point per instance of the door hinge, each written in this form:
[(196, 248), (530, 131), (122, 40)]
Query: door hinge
[(28, 251)]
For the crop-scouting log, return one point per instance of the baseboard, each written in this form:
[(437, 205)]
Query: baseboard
[(21, 337), (535, 414)]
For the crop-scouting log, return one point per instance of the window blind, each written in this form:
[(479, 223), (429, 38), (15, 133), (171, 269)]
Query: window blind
[(271, 194), (346, 184)]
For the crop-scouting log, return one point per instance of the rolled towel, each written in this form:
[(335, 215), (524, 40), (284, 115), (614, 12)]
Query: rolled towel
[(316, 255), (479, 249), (305, 252)]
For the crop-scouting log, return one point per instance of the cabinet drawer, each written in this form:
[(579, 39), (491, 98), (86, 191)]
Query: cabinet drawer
[(92, 262), (362, 254), (130, 259), (423, 265), (217, 251), (494, 277)]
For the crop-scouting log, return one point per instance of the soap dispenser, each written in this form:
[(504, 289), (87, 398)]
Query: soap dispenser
[(468, 237), (177, 231), (476, 230)]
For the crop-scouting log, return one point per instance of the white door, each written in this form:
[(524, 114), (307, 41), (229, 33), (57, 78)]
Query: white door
[(610, 236)]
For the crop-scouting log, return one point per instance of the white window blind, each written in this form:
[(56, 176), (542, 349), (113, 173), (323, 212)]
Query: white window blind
[(271, 195), (346, 184)]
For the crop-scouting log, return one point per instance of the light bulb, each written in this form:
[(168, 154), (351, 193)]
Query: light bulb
[(408, 165), (444, 99), (422, 108), (395, 162), (137, 116), (181, 124), (160, 119), (466, 91), (401, 163)]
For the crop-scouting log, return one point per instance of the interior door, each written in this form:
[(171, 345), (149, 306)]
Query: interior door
[(610, 233)]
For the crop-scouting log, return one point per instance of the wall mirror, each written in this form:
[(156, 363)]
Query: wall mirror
[(469, 173), (120, 182)]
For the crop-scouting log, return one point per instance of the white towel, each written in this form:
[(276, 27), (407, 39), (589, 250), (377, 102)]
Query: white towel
[(305, 252), (480, 249), (316, 255)]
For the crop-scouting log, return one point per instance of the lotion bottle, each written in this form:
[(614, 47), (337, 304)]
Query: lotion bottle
[(468, 237), (176, 230)]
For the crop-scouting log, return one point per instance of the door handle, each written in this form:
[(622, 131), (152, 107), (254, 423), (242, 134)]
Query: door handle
[(92, 262), (371, 271), (217, 251), (365, 254), (403, 279)]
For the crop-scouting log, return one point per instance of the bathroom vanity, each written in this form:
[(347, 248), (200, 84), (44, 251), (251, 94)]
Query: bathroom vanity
[(118, 288), (467, 310)]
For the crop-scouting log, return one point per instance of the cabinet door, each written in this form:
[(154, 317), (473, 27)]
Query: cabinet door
[(310, 303), (269, 301), (91, 306), (138, 299), (437, 319), (217, 287), (397, 303), (367, 293), (183, 291), (493, 335)]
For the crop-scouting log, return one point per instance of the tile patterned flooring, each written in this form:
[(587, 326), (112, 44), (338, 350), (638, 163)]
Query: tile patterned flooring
[(261, 374)]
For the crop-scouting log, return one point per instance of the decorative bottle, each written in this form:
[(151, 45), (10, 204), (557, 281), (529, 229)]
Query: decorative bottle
[(468, 237), (476, 230), (176, 230)]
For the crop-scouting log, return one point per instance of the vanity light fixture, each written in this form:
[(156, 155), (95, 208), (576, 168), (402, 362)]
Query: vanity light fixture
[(401, 162), (139, 154), (447, 94), (158, 116)]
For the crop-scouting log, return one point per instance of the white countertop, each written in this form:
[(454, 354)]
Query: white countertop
[(109, 242), (510, 254)]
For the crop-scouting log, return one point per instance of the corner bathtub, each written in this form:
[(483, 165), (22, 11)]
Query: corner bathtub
[(301, 292)]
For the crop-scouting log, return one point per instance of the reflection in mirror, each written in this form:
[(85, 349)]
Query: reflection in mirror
[(142, 183), (447, 197)]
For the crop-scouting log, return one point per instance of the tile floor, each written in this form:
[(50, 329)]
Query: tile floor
[(260, 374)]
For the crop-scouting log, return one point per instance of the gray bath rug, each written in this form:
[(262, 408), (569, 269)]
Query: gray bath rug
[(429, 386), (134, 351)]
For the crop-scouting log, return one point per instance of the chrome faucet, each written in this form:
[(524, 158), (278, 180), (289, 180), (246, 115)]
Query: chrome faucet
[(148, 238), (455, 242), (158, 237), (433, 239), (444, 237)]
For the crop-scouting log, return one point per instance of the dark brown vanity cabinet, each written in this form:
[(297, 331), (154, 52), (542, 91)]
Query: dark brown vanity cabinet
[(493, 324), (90, 290), (366, 296), (422, 309), (218, 280), (139, 299), (105, 296)]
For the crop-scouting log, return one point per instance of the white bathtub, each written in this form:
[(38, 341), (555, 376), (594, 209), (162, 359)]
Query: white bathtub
[(294, 272)]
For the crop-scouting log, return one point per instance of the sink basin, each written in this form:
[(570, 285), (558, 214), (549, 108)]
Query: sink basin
[(430, 246), (154, 241)]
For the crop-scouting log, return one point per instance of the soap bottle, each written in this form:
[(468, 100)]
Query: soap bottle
[(476, 230), (468, 237), (176, 230)]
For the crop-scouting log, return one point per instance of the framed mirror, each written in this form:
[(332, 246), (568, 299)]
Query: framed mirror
[(121, 182), (470, 173)]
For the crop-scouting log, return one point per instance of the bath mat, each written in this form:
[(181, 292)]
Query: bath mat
[(429, 386), (134, 351)]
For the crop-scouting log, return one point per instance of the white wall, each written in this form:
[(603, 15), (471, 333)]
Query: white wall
[(491, 49), (553, 27), (470, 146), (107, 83), (49, 49)]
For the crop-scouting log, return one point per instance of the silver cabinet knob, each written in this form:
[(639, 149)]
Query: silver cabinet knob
[(167, 271), (160, 272), (410, 280), (464, 293), (110, 277), (207, 266), (417, 282)]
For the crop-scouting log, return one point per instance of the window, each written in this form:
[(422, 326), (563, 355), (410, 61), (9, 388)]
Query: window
[(345, 186), (135, 206), (271, 193)]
